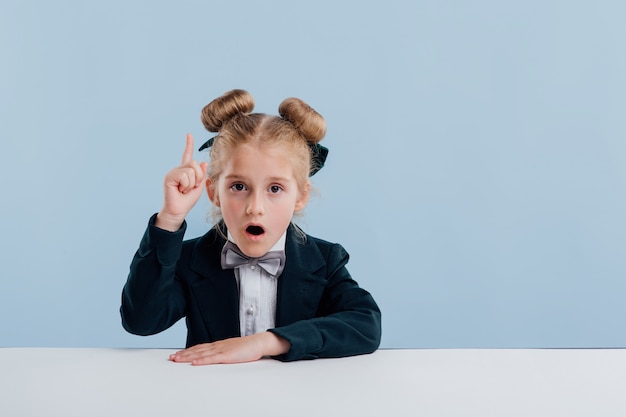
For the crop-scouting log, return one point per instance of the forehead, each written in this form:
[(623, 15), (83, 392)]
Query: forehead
[(259, 162)]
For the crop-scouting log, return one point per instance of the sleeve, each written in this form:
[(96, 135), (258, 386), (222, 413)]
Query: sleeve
[(348, 321), (152, 298)]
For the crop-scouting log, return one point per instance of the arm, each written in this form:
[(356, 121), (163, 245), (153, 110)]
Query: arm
[(348, 320), (152, 299)]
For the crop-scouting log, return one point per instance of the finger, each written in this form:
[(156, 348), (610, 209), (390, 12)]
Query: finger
[(179, 357), (199, 357), (183, 182), (188, 153), (199, 174), (188, 178), (187, 355)]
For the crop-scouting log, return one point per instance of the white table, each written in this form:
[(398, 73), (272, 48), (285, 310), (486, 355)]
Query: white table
[(430, 382)]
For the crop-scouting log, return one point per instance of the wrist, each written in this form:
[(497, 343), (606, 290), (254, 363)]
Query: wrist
[(168, 222), (273, 345)]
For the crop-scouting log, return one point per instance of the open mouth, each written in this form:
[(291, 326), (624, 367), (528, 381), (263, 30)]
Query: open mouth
[(255, 230)]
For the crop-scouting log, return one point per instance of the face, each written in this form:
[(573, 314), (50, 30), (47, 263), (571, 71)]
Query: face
[(258, 195)]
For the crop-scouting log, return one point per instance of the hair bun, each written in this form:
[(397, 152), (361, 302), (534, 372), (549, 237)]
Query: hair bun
[(225, 107), (305, 119)]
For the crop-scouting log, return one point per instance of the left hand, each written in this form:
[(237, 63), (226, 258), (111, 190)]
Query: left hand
[(234, 350)]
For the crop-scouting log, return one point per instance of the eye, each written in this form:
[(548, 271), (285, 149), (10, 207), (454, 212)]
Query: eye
[(238, 187), (275, 189)]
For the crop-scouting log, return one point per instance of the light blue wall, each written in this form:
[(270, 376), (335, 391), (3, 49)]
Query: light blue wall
[(477, 172)]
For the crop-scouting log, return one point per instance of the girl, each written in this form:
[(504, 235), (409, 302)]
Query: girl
[(255, 285)]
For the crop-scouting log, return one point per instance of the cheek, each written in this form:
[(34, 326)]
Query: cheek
[(286, 210), (227, 204), (229, 212)]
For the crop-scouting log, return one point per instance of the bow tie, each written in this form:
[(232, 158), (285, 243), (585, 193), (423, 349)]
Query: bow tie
[(232, 257)]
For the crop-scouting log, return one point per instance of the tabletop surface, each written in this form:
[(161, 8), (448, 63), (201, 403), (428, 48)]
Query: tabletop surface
[(411, 382)]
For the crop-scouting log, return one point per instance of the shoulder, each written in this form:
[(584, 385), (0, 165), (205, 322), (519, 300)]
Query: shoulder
[(311, 246)]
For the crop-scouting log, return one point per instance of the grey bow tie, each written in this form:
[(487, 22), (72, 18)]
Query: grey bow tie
[(232, 257)]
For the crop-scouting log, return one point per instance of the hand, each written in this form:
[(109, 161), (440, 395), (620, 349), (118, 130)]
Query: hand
[(234, 350), (183, 187)]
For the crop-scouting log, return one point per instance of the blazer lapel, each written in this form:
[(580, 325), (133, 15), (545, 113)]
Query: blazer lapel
[(215, 294), (302, 283)]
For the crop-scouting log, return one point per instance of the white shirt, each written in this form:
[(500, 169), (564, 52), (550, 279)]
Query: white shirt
[(257, 295)]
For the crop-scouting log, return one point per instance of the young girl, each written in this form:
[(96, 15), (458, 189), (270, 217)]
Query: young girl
[(255, 285)]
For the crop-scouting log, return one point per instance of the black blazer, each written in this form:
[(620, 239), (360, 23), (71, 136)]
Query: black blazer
[(320, 309)]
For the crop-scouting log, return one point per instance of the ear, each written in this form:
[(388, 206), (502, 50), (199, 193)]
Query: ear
[(303, 197), (210, 190)]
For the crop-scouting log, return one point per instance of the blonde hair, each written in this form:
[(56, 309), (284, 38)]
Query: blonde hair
[(297, 127)]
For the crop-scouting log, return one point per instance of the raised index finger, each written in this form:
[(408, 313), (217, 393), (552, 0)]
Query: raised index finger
[(188, 153)]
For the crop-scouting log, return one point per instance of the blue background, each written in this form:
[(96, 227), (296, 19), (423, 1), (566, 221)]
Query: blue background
[(477, 172)]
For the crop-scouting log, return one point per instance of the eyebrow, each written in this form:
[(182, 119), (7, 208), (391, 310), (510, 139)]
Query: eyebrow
[(279, 179), (236, 177)]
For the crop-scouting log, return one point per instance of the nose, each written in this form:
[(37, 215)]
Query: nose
[(255, 204)]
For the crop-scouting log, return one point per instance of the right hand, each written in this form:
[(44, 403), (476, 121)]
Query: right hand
[(183, 187)]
